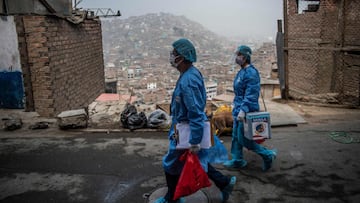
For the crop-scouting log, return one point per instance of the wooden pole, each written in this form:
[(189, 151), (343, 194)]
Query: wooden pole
[(286, 61)]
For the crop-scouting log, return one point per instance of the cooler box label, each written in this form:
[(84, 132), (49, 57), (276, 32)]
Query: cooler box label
[(257, 126)]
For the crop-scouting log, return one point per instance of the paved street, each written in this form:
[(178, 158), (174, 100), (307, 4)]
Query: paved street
[(61, 166)]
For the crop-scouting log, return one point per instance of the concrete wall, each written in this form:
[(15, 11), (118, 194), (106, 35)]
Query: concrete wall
[(62, 63), (9, 53), (11, 83), (323, 48)]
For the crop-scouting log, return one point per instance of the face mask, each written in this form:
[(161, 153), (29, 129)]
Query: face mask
[(240, 60), (172, 60)]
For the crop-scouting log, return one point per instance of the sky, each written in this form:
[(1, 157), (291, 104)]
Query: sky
[(230, 18)]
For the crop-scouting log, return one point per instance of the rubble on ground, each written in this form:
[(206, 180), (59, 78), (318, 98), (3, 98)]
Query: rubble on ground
[(11, 124)]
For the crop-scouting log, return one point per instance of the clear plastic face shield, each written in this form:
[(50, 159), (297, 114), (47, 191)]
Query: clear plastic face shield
[(240, 60), (232, 60)]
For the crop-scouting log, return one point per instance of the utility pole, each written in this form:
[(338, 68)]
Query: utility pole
[(286, 51), (280, 59)]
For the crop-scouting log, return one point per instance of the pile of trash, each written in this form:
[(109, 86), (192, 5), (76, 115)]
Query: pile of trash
[(121, 116), (132, 119)]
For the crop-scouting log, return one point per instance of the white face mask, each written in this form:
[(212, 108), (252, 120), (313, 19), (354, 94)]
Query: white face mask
[(172, 60)]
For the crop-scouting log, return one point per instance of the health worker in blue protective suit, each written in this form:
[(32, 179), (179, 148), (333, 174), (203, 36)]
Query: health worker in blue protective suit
[(247, 90), (187, 106)]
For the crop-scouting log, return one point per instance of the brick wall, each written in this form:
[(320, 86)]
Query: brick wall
[(350, 63), (304, 41), (62, 63), (319, 48), (351, 73)]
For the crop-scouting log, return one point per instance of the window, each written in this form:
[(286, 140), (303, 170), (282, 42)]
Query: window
[(304, 6)]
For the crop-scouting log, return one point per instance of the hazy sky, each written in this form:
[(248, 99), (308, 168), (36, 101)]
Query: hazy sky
[(245, 18)]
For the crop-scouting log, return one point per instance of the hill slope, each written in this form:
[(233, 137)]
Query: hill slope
[(151, 35)]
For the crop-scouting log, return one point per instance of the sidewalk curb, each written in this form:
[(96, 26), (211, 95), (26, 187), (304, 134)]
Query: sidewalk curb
[(93, 130)]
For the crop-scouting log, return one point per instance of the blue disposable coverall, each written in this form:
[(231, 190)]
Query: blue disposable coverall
[(187, 105), (247, 89)]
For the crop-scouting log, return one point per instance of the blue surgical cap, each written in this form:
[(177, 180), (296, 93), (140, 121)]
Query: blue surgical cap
[(186, 49), (245, 51)]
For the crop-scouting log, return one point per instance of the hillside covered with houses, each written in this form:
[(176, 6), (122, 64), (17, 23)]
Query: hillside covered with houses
[(136, 56)]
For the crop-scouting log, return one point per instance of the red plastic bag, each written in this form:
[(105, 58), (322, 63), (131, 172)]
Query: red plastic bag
[(192, 178)]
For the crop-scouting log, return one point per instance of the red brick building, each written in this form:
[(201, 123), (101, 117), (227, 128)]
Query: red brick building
[(322, 50), (61, 61)]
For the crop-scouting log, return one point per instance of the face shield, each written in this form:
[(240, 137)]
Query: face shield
[(240, 60), (232, 60), (246, 52)]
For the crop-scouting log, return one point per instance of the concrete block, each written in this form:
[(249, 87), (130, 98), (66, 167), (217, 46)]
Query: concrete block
[(73, 119)]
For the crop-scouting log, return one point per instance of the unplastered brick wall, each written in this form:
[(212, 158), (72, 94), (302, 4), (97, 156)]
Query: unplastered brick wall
[(304, 41), (317, 46), (351, 62), (351, 59), (352, 24), (351, 93), (65, 62)]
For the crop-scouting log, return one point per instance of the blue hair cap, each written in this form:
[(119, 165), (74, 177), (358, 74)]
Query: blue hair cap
[(245, 51), (186, 49)]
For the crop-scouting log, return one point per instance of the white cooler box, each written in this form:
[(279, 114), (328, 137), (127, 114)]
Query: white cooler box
[(257, 126)]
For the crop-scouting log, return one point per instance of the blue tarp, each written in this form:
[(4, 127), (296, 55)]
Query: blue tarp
[(11, 90)]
